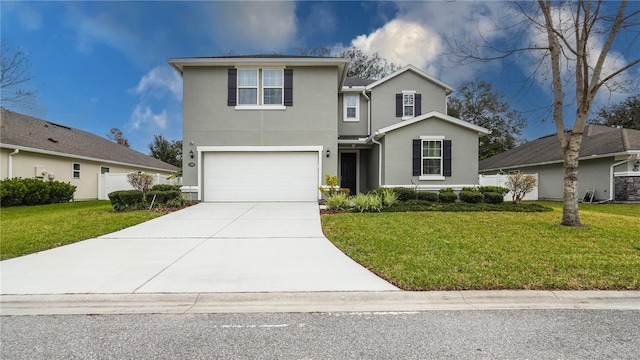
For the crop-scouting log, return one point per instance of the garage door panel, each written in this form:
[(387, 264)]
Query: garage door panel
[(260, 176)]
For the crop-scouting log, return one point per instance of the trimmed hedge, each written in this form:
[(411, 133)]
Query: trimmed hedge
[(420, 205), (123, 200), (165, 187), (162, 197), (29, 191), (428, 196), (405, 194), (471, 197), (493, 189), (493, 198), (447, 197)]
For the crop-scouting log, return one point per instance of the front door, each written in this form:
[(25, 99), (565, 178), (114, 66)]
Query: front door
[(348, 172)]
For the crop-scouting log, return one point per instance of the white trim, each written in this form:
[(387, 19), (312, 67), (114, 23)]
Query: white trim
[(432, 137), (73, 170), (345, 118), (260, 107), (431, 177), (422, 158), (433, 114), (431, 187), (627, 173), (80, 157), (448, 88), (413, 113)]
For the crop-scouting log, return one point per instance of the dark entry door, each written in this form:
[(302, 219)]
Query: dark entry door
[(348, 172)]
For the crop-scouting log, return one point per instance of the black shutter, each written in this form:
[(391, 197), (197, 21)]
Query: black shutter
[(417, 157), (288, 87), (418, 104), (399, 111), (232, 81), (446, 157)]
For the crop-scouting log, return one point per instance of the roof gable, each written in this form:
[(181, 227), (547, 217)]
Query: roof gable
[(434, 114), (418, 72), (29, 133), (598, 141)]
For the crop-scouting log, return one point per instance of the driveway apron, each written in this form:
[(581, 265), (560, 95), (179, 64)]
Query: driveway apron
[(209, 247)]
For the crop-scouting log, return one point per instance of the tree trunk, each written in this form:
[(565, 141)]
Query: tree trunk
[(570, 212)]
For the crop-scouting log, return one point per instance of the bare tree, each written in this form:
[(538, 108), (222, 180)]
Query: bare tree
[(115, 134), (576, 41), (363, 65), (15, 73)]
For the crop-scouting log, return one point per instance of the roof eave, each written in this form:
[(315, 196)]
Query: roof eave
[(550, 162), (448, 88)]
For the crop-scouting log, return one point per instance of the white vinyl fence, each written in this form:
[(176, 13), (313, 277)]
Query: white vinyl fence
[(501, 180), (110, 182)]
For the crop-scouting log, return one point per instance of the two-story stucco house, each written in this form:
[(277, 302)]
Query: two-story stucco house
[(268, 128)]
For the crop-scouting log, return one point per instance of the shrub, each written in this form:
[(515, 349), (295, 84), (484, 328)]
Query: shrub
[(520, 185), (331, 187), (162, 197), (466, 188), (339, 201), (447, 197), (165, 187), (445, 190), (12, 192), (60, 192), (471, 197), (368, 202), (140, 181), (405, 194), (493, 198), (387, 196), (494, 189), (127, 200), (37, 192), (428, 196)]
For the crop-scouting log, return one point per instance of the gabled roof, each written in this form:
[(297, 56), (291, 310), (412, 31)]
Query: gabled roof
[(434, 114), (415, 70), (598, 141), (357, 82), (18, 131)]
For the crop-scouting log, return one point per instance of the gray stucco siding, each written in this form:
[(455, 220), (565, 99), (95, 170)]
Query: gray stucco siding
[(398, 153), (352, 128), (208, 121), (383, 106)]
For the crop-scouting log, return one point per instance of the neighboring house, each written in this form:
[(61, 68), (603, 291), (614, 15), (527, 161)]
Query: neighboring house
[(270, 127), (35, 148), (609, 164)]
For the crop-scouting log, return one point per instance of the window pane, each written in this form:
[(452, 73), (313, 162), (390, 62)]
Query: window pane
[(408, 111), (247, 77), (76, 166), (408, 99), (352, 101), (431, 149), (272, 77), (431, 167), (351, 112), (247, 96), (273, 96)]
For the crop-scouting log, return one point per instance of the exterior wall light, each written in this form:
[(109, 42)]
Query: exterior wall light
[(328, 152), (191, 154)]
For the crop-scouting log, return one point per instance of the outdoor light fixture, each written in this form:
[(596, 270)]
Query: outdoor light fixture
[(328, 152), (191, 154)]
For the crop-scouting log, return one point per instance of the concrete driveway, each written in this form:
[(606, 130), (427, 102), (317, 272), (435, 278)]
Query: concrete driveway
[(209, 247)]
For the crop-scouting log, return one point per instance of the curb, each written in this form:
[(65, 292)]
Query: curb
[(307, 302)]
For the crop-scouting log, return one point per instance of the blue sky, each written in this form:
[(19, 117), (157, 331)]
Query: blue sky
[(99, 65)]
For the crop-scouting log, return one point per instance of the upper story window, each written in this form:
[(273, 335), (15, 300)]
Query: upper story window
[(351, 107), (260, 88), (408, 105)]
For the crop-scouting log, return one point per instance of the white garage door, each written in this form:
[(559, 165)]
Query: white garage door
[(260, 176)]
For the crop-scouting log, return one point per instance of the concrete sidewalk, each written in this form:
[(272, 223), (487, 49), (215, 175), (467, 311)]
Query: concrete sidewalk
[(386, 301), (206, 248)]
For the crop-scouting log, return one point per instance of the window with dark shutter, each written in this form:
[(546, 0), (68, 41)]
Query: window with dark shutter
[(418, 104), (232, 78), (446, 157), (399, 110), (288, 87)]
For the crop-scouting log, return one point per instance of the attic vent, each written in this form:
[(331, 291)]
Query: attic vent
[(53, 140), (58, 125)]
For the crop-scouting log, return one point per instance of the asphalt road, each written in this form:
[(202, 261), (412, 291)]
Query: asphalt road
[(503, 334)]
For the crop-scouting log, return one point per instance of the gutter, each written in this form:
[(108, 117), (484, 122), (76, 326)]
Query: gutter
[(364, 93), (611, 177), (10, 163)]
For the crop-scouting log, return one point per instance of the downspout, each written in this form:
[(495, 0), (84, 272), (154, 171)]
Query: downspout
[(373, 140), (611, 177), (364, 93), (10, 163)]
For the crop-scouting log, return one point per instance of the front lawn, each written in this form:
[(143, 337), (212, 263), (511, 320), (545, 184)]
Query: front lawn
[(495, 250), (29, 229)]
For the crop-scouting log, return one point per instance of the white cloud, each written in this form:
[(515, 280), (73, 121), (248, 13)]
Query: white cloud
[(143, 117), (254, 25), (403, 42), (158, 82), (30, 18)]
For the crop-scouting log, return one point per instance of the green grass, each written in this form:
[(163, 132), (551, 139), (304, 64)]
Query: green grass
[(495, 250), (29, 229)]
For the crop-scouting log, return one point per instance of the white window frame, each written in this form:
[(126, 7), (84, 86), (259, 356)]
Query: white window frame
[(411, 93), (346, 117), (260, 105), (422, 158), (74, 171)]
